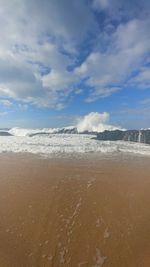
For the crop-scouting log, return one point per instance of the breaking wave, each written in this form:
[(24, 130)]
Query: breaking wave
[(31, 132), (96, 122)]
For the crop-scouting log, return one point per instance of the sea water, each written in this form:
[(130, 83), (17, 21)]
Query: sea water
[(49, 141)]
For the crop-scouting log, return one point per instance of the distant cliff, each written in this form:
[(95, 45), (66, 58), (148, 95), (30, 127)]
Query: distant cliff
[(142, 136)]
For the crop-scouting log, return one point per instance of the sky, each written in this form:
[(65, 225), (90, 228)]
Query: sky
[(63, 59)]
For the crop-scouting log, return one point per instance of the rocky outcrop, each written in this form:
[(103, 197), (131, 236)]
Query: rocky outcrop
[(3, 133), (68, 131), (142, 136)]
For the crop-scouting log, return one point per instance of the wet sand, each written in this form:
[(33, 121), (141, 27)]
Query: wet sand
[(74, 213)]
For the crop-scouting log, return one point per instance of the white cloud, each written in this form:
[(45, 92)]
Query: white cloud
[(42, 39), (121, 9), (36, 43), (142, 79), (109, 71), (102, 93), (6, 102), (144, 75), (57, 80)]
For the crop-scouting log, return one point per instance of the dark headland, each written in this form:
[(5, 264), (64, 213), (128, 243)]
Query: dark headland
[(140, 136)]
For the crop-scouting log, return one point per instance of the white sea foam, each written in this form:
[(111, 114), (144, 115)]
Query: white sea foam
[(67, 143), (96, 122), (99, 259)]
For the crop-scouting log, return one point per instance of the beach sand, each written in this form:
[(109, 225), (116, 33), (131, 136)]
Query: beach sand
[(88, 212)]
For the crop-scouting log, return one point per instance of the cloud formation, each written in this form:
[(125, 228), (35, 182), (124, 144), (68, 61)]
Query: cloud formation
[(109, 71), (49, 48)]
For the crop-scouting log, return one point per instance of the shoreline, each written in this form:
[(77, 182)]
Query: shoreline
[(78, 155)]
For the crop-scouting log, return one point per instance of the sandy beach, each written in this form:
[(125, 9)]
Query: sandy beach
[(88, 212)]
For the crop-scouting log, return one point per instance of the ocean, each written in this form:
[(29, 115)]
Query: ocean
[(49, 142)]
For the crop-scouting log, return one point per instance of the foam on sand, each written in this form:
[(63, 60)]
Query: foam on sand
[(99, 259)]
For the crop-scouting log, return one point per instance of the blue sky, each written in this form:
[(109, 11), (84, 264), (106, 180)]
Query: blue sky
[(62, 59)]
